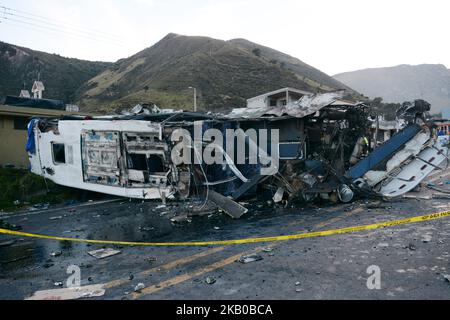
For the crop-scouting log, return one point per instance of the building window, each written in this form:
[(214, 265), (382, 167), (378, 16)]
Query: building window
[(20, 123), (272, 102), (59, 153)]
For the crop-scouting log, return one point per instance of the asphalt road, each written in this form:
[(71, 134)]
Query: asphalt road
[(413, 259)]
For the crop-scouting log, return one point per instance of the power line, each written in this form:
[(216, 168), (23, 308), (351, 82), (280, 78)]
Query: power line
[(62, 26), (7, 19), (59, 22)]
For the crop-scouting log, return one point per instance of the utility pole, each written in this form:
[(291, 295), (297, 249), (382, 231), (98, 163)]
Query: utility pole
[(195, 98)]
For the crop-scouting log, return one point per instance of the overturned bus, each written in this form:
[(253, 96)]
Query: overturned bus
[(317, 147)]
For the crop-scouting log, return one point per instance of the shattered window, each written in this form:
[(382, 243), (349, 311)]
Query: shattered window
[(59, 153), (155, 163), (137, 162)]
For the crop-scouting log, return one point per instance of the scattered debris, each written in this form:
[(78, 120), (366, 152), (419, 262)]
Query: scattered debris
[(180, 219), (59, 284), (139, 287), (96, 290), (231, 207), (40, 206), (9, 226), (412, 196), (447, 277), (103, 253), (268, 249), (210, 280), (146, 229), (151, 259), (441, 196), (278, 197), (56, 253), (411, 247), (250, 258)]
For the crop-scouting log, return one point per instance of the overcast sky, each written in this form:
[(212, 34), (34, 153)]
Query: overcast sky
[(333, 36)]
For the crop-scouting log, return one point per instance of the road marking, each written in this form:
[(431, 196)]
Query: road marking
[(166, 266), (336, 219), (187, 276), (222, 263)]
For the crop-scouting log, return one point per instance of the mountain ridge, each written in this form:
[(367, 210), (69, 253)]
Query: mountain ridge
[(403, 82), (62, 76), (225, 74)]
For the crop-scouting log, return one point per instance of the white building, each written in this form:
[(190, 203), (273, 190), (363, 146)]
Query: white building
[(277, 98), (24, 94), (37, 89)]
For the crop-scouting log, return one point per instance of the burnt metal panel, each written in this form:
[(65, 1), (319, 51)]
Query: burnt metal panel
[(100, 157)]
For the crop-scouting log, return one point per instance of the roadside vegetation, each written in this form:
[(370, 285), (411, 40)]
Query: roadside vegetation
[(20, 189)]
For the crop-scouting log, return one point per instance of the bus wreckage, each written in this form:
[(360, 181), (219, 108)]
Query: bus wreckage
[(319, 147)]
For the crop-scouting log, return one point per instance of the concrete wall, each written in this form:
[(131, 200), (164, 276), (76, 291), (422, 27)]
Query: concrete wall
[(257, 102), (12, 144)]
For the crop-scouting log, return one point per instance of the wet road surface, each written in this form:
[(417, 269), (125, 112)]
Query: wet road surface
[(413, 259)]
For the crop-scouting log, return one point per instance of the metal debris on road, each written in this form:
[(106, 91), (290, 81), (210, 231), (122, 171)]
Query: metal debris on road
[(250, 258), (56, 253), (9, 226), (139, 287), (229, 206), (180, 219), (103, 253), (210, 280)]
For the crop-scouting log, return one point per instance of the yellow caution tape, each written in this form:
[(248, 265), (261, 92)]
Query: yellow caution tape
[(426, 217)]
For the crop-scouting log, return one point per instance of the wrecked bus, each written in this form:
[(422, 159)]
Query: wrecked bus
[(317, 147)]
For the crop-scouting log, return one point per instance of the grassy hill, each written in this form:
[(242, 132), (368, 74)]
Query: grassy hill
[(303, 71), (61, 76), (225, 74)]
